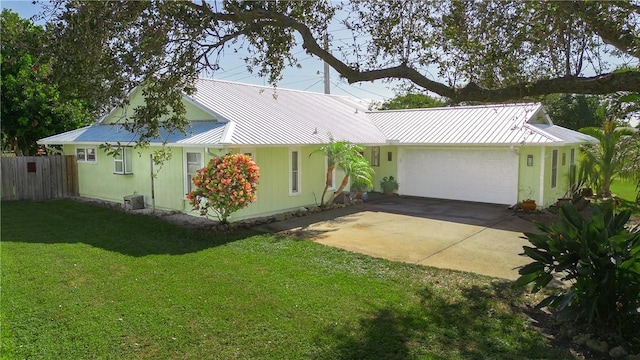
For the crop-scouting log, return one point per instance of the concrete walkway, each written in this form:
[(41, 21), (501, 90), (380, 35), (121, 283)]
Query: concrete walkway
[(480, 238)]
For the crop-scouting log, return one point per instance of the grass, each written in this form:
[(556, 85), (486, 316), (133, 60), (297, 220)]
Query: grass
[(626, 192), (80, 281)]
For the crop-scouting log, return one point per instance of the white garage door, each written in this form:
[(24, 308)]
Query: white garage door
[(482, 175)]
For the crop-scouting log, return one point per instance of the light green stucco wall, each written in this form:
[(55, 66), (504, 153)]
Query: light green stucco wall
[(97, 180), (386, 167), (533, 185)]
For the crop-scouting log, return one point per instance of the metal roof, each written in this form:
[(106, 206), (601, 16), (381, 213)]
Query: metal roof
[(197, 132), (64, 138), (509, 124), (257, 115), (268, 116)]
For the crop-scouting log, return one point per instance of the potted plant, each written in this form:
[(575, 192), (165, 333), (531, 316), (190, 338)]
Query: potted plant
[(388, 185), (528, 203), (358, 187)]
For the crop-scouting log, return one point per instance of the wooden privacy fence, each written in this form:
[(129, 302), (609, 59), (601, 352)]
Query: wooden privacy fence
[(39, 177)]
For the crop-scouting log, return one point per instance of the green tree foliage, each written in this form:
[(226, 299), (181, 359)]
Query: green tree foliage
[(472, 51), (575, 111), (598, 257), (226, 185), (616, 154), (31, 105), (412, 101)]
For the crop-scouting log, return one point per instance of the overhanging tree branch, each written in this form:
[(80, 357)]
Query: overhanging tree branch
[(601, 84)]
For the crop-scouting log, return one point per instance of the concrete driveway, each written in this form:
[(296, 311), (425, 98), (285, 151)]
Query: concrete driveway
[(480, 238)]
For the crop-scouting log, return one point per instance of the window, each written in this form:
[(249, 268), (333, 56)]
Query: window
[(389, 156), (332, 181), (193, 163), (564, 158), (294, 179), (572, 157), (86, 154), (122, 161), (375, 156), (572, 165), (554, 169), (251, 153)]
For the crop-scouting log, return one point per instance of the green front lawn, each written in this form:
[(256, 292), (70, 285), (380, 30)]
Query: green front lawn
[(626, 191), (80, 281)]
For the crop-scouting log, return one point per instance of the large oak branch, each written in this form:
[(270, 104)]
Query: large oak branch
[(600, 84)]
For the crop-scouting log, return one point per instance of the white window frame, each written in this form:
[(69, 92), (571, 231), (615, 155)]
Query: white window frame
[(554, 168), (333, 174), (295, 187), (187, 176), (124, 157), (86, 151)]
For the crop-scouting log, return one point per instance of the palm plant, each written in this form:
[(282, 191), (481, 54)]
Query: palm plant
[(354, 166), (334, 151), (616, 154), (345, 156)]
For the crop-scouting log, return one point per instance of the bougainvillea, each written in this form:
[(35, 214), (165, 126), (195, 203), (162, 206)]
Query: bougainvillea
[(224, 186)]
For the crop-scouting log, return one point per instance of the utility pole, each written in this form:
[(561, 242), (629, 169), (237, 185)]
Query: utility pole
[(327, 83)]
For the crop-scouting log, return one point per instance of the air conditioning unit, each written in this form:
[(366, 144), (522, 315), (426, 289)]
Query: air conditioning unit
[(133, 202)]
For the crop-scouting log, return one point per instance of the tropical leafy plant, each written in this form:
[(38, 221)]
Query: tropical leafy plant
[(598, 257), (334, 151), (360, 185), (224, 186), (347, 157), (356, 167), (616, 154), (389, 184)]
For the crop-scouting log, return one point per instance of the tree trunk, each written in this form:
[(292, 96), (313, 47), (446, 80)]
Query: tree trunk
[(327, 183), (339, 191)]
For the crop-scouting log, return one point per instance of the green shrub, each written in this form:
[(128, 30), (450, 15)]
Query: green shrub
[(598, 257)]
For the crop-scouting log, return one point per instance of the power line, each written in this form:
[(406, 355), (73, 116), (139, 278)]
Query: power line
[(310, 86)]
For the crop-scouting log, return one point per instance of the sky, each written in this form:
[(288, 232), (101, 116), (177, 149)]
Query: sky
[(309, 77)]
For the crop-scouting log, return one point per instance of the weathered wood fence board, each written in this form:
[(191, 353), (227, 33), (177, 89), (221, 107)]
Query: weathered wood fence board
[(39, 177)]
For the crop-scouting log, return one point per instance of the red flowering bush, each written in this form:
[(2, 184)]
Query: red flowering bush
[(225, 185)]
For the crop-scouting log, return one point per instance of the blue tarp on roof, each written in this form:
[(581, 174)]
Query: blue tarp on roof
[(117, 133)]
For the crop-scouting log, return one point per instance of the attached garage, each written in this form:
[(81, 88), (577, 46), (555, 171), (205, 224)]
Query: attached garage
[(498, 154), (474, 174)]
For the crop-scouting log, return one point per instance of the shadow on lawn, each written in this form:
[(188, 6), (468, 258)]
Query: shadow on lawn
[(65, 221), (470, 327)]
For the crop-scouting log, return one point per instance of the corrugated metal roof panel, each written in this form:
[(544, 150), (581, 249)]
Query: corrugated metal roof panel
[(256, 115), (117, 133), (64, 138), (566, 135), (471, 125), (268, 116), (197, 132)]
